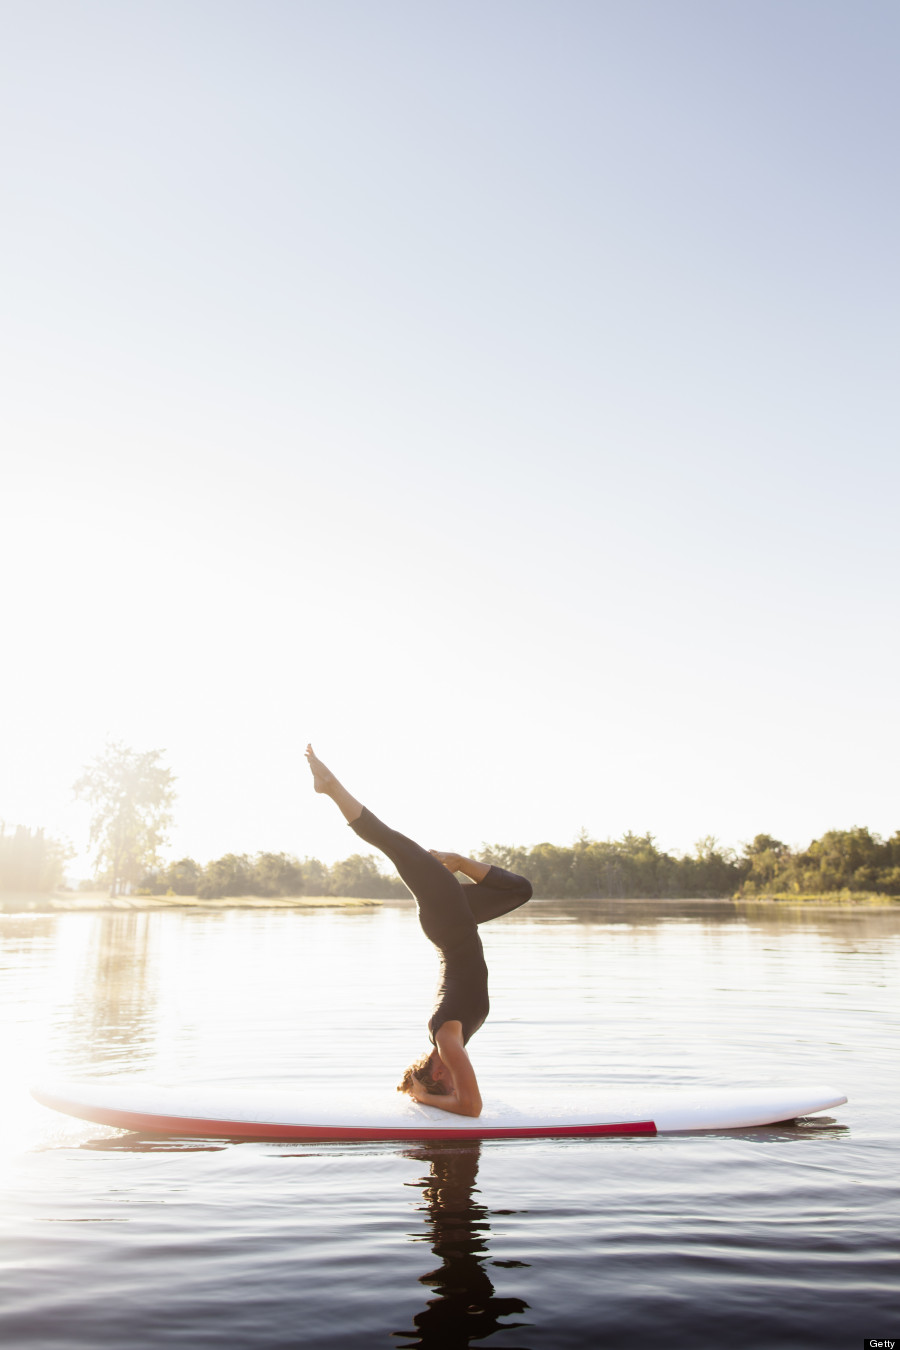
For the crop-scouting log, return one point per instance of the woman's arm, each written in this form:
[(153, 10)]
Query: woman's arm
[(455, 862), (464, 1099)]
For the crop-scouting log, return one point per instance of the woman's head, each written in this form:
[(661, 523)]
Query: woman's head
[(424, 1069)]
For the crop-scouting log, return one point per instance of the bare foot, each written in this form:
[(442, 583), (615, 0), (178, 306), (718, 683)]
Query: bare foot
[(323, 779)]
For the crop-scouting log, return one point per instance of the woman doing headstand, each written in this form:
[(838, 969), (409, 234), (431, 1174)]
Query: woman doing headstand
[(449, 914)]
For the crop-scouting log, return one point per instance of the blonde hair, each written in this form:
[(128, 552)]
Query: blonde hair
[(421, 1068)]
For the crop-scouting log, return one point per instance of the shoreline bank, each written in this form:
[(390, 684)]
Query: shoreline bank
[(94, 902)]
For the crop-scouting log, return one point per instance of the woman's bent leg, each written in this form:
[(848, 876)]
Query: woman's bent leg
[(499, 893)]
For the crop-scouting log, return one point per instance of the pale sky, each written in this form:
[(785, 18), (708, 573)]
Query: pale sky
[(502, 395)]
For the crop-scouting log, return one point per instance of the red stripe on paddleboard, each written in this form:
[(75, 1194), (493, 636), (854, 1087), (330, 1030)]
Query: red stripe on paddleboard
[(242, 1129)]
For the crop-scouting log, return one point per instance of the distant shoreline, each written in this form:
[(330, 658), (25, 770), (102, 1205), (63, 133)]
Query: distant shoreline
[(94, 902), (97, 902)]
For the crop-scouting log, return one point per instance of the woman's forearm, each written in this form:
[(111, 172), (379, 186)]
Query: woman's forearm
[(470, 868), (451, 1102)]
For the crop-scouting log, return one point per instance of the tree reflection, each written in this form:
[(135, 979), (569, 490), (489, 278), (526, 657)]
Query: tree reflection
[(465, 1308), (116, 1011)]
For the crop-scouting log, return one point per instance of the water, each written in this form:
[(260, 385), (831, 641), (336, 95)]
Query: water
[(762, 1238)]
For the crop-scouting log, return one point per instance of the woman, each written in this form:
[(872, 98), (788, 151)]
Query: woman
[(449, 914)]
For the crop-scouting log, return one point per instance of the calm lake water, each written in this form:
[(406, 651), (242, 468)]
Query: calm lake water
[(762, 1238)]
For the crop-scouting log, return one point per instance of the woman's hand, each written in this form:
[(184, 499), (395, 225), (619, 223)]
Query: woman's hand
[(420, 1091), (451, 861), (455, 862), (469, 1105)]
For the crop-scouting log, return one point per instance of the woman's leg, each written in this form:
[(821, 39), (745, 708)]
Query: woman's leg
[(325, 781), (500, 894), (443, 912), (496, 891)]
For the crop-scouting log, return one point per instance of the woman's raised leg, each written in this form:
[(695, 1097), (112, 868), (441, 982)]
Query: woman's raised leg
[(325, 781)]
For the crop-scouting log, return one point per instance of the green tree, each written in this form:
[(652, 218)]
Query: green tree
[(713, 871), (766, 864), (130, 794), (183, 877), (231, 874), (316, 877), (549, 869), (277, 874), (360, 876)]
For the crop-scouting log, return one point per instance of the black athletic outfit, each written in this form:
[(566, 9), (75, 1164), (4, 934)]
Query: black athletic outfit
[(450, 914)]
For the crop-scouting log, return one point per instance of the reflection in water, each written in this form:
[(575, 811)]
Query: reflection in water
[(116, 1012), (466, 1308), (137, 1142), (803, 1130), (841, 927), (23, 935)]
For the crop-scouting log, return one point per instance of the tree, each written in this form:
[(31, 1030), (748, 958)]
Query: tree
[(131, 795), (714, 871), (232, 874), (316, 877), (183, 877), (277, 874), (360, 876), (29, 861), (766, 865)]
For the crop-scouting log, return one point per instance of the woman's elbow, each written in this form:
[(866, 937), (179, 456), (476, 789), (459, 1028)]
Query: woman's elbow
[(469, 1103)]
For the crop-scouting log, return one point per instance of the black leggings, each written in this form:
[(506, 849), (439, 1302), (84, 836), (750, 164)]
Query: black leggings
[(448, 911)]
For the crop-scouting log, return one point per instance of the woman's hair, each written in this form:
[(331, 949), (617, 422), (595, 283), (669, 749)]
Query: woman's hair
[(422, 1070)]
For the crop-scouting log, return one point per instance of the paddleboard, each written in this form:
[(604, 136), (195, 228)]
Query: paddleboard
[(262, 1113)]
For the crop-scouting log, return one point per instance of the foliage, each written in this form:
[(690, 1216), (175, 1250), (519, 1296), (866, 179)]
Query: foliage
[(359, 875), (842, 862), (183, 877), (851, 860), (131, 796), (634, 867), (272, 874), (229, 875), (29, 861), (625, 868)]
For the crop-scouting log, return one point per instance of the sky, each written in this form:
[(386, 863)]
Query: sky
[(502, 396)]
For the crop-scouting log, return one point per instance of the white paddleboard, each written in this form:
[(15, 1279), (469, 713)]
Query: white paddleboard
[(263, 1113)]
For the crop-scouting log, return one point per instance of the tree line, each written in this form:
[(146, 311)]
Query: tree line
[(632, 867), (272, 874), (131, 795)]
